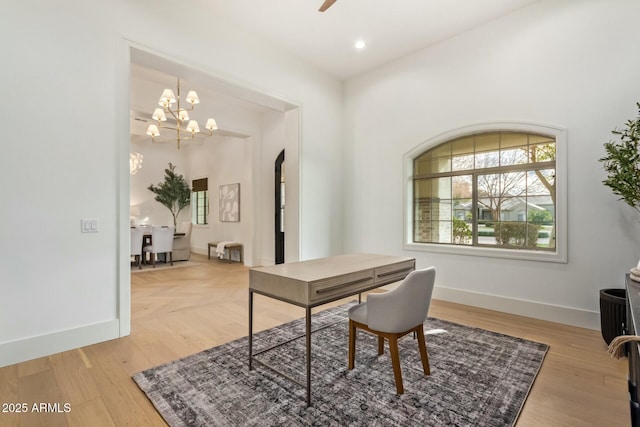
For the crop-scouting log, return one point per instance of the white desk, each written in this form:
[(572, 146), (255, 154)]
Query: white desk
[(315, 282)]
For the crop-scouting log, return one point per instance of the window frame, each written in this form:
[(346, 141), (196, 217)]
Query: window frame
[(557, 256), (195, 202)]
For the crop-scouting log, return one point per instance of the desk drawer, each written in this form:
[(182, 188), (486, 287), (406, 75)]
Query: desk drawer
[(395, 272), (343, 285)]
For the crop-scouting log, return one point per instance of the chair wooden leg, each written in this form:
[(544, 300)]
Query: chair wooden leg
[(380, 345), (352, 344), (171, 257), (395, 361), (153, 259), (423, 350), (139, 261)]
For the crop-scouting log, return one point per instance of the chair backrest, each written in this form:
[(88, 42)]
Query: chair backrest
[(162, 239), (146, 229), (136, 240), (185, 227), (404, 307)]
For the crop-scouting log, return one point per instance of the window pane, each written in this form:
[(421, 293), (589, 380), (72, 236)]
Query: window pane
[(488, 141), (516, 234), (543, 152), (487, 159), (512, 140), (200, 206), (462, 162), (540, 182), (422, 189), (462, 146), (514, 156), (441, 188), (430, 164), (462, 186)]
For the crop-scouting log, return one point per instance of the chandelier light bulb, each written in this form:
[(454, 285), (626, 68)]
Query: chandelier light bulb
[(183, 116), (159, 115), (193, 127), (192, 97), (167, 98), (153, 131), (135, 162), (211, 125)]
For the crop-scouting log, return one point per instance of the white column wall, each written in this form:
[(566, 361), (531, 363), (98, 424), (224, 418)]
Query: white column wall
[(571, 64), (64, 85)]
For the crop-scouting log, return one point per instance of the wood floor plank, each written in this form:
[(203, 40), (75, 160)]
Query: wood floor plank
[(92, 413), (73, 378), (9, 395), (44, 397), (177, 312)]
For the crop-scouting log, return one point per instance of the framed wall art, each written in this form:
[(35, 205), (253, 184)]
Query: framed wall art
[(229, 202)]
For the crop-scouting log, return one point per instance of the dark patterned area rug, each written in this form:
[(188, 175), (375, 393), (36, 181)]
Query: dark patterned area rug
[(478, 378)]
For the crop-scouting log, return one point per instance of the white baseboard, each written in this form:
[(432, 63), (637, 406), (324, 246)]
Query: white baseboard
[(44, 345), (553, 313)]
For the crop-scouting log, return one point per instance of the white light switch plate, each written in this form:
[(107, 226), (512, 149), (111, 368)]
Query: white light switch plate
[(89, 225)]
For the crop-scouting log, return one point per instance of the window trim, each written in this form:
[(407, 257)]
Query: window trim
[(558, 256), (202, 185)]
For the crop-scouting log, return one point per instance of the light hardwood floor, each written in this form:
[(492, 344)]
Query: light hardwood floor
[(181, 311)]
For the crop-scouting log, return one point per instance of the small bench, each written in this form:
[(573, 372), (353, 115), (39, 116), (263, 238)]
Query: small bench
[(228, 248)]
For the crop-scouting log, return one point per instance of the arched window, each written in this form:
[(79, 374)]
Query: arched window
[(491, 189)]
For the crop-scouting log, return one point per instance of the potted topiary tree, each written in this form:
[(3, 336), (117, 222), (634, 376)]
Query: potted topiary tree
[(622, 164), (174, 192)]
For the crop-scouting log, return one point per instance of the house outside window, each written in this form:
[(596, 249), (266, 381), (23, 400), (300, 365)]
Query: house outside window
[(200, 201), (494, 192)]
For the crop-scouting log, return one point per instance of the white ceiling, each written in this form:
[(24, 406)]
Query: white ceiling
[(391, 28)]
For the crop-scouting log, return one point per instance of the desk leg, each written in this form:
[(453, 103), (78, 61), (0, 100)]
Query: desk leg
[(250, 330), (308, 333)]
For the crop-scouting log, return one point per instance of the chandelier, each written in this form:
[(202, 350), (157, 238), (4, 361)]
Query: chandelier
[(135, 162), (171, 105)]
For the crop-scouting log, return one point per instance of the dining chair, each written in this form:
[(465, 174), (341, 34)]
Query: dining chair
[(137, 235), (182, 244), (161, 243), (394, 314)]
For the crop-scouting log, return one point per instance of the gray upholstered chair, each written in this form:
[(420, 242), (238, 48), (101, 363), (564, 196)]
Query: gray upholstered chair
[(394, 314), (137, 235), (161, 243), (182, 244)]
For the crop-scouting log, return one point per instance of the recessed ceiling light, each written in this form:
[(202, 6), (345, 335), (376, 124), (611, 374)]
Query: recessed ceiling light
[(360, 44)]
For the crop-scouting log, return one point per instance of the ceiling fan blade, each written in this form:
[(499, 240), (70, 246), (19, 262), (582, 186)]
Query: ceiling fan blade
[(326, 5)]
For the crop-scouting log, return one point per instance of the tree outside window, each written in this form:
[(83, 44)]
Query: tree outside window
[(494, 189)]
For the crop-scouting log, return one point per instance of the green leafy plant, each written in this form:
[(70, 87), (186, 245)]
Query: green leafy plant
[(517, 234), (622, 163), (174, 192), (461, 232)]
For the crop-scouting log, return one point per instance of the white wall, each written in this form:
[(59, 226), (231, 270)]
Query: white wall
[(66, 124), (227, 160), (156, 158), (571, 64)]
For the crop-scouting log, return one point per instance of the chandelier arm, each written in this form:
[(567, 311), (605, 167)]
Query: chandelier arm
[(169, 110), (190, 137), (210, 133), (169, 127)]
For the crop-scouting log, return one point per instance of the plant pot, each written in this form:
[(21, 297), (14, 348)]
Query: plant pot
[(613, 313)]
